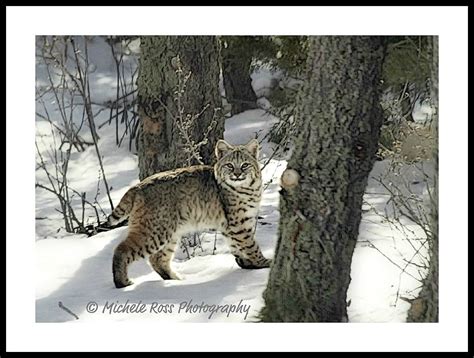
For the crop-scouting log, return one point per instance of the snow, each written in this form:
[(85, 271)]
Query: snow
[(422, 112), (379, 271), (264, 79), (76, 270), (214, 280)]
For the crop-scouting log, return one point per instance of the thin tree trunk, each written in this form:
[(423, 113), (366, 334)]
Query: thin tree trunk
[(425, 307), (339, 118), (236, 61), (160, 146)]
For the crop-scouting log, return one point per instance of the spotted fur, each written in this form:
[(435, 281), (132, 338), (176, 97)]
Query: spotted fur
[(167, 205)]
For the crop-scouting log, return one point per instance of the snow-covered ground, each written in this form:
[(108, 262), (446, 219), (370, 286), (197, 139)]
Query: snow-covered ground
[(74, 271)]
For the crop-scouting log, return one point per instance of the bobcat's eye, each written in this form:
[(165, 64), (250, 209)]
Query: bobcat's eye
[(244, 166), (229, 166)]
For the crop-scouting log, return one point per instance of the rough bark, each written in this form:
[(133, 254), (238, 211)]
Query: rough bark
[(236, 61), (160, 146), (339, 118), (425, 307)]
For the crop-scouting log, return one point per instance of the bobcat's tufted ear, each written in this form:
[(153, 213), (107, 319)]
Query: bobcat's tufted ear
[(253, 147), (222, 148)]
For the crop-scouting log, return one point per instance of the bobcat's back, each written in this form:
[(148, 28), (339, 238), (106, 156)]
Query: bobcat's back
[(181, 197)]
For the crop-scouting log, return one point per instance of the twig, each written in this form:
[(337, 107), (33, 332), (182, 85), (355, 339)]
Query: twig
[(86, 95), (388, 258), (60, 304)]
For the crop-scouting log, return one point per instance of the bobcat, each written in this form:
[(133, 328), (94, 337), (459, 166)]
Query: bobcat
[(167, 205)]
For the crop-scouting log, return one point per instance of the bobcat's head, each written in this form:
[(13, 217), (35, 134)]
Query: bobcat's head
[(238, 165)]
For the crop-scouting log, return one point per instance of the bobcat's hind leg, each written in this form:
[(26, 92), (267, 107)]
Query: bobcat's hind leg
[(125, 253), (161, 261), (123, 256)]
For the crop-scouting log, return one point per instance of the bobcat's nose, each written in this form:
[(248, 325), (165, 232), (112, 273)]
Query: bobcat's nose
[(237, 172)]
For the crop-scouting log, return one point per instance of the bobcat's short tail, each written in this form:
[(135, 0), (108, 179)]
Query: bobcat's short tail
[(122, 211)]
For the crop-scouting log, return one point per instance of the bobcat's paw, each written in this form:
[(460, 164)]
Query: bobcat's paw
[(266, 263), (247, 264), (169, 275), (122, 284), (173, 276)]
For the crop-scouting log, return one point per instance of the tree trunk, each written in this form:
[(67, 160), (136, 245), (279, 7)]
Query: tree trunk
[(171, 104), (338, 120), (236, 61), (425, 307)]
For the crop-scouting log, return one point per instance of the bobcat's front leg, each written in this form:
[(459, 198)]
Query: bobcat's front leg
[(246, 250)]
